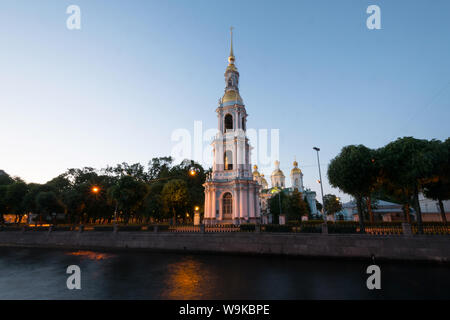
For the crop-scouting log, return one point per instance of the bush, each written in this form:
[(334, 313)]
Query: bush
[(161, 227), (104, 228), (62, 228), (343, 228), (10, 228), (130, 228), (36, 228), (276, 228), (311, 228), (248, 227)]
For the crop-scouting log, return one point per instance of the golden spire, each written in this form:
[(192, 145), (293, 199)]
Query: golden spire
[(231, 57)]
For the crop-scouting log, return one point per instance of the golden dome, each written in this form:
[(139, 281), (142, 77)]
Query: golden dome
[(231, 95), (255, 172), (296, 170), (231, 67), (278, 173), (264, 182)]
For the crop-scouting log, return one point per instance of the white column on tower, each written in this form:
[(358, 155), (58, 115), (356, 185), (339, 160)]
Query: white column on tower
[(213, 203), (236, 203), (241, 202), (251, 201), (207, 205)]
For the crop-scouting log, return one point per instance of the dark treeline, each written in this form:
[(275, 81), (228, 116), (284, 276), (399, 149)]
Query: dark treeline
[(397, 172), (163, 191)]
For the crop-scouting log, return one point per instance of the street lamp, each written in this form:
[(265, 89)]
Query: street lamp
[(321, 185), (192, 172), (95, 189), (197, 216)]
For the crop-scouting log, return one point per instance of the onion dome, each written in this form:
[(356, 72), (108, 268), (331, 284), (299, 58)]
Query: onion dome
[(232, 96), (277, 172), (264, 182), (296, 169), (255, 171)]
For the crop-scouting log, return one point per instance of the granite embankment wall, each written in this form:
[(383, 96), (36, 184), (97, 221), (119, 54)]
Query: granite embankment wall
[(409, 248)]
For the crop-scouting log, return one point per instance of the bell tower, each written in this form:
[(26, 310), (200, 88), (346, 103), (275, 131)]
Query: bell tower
[(231, 194)]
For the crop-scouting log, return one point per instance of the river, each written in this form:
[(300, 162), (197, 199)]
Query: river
[(35, 273)]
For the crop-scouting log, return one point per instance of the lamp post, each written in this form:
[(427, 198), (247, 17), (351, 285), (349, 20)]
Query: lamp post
[(197, 216), (321, 186)]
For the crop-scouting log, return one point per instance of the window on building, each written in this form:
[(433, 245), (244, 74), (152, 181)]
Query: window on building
[(227, 204), (228, 122), (228, 160)]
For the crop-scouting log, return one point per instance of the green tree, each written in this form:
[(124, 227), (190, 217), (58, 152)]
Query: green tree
[(47, 203), (196, 191), (128, 194), (406, 163), (437, 187), (175, 197), (159, 167), (332, 204), (153, 206), (297, 207), (354, 172), (3, 207), (82, 204), (278, 198), (135, 170), (14, 199), (5, 179)]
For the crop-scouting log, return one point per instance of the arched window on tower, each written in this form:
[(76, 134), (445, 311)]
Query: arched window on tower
[(227, 205), (228, 122), (228, 160), (243, 123)]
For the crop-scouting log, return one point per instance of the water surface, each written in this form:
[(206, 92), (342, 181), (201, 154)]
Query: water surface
[(32, 273)]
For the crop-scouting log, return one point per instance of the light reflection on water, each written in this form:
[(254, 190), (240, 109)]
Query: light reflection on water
[(187, 279), (90, 255), (27, 273)]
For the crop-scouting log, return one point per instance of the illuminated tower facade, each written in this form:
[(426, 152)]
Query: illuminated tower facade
[(231, 194)]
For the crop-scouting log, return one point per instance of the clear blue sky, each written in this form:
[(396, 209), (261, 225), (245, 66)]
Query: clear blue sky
[(137, 70)]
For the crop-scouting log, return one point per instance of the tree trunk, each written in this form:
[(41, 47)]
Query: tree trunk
[(360, 214), (369, 207), (407, 215), (418, 211), (441, 206)]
